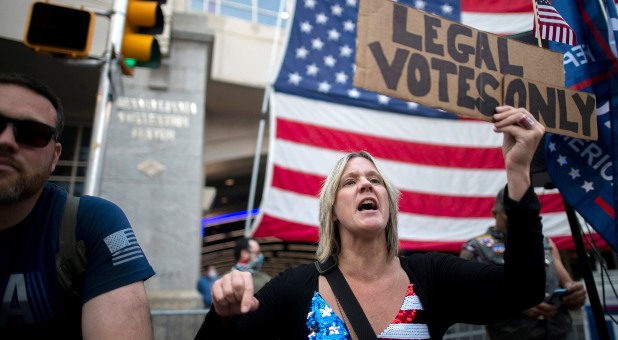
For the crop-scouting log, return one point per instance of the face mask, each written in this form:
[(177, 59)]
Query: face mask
[(212, 274), (256, 264)]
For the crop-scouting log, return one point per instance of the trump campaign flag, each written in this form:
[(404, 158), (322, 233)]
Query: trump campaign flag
[(585, 171), (448, 169)]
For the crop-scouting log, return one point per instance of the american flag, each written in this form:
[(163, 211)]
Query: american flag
[(448, 169), (552, 25), (123, 246)]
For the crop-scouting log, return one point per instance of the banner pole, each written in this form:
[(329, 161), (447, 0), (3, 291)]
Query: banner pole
[(536, 23), (258, 147), (104, 101), (593, 295)]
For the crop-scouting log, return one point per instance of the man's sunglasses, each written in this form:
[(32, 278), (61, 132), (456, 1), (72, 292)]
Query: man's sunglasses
[(29, 132)]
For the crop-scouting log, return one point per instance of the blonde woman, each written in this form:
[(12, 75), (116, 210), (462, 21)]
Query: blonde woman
[(413, 297)]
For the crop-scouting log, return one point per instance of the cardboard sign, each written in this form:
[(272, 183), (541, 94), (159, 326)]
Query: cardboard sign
[(409, 54)]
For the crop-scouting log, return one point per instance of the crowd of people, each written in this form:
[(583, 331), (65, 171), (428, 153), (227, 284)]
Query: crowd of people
[(359, 286), (248, 257)]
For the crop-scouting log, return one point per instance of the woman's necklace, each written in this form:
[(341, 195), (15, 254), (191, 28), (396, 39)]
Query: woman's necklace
[(345, 319)]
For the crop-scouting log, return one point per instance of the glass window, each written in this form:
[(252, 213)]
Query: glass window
[(69, 135), (84, 150), (267, 19), (62, 170), (198, 5), (237, 8), (70, 172), (81, 171), (271, 5), (260, 11), (246, 3)]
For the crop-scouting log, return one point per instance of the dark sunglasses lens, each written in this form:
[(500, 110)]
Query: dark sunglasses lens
[(32, 133)]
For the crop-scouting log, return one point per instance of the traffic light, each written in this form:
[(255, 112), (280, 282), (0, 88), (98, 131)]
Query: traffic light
[(59, 30), (144, 19)]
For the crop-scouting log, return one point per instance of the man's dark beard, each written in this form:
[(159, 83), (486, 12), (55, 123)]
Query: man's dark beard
[(26, 186)]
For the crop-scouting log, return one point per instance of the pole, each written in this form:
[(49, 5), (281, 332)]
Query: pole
[(104, 101), (536, 23), (256, 165), (591, 287), (258, 147)]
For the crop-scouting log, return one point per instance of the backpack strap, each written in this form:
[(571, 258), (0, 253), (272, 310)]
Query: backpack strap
[(71, 260), (344, 294)]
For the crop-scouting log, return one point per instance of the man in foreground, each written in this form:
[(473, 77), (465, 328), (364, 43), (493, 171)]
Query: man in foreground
[(113, 302)]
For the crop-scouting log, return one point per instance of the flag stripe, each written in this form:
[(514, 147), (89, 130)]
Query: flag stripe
[(289, 230), (604, 206), (437, 233), (496, 8), (294, 181), (412, 201), (503, 24), (406, 176), (438, 226), (391, 148), (502, 17), (387, 124), (596, 79)]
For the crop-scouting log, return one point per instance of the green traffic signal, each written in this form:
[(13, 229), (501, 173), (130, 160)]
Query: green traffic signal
[(144, 20), (130, 62)]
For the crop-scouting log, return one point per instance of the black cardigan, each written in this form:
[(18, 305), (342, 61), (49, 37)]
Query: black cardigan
[(450, 289)]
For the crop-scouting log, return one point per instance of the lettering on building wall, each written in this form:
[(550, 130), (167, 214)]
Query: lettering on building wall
[(155, 119)]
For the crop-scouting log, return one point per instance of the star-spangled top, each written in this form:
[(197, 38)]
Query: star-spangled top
[(320, 58)]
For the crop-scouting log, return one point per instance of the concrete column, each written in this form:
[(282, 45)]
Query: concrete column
[(153, 168)]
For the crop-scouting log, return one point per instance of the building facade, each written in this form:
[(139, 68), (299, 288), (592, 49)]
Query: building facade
[(167, 132)]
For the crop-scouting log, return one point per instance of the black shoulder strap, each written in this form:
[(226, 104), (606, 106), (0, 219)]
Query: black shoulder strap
[(344, 294), (71, 259), (327, 266)]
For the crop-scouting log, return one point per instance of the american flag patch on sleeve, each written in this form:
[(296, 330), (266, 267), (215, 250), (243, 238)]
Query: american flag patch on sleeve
[(123, 246)]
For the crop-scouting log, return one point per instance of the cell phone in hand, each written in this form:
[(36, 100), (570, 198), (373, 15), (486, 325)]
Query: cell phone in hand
[(556, 296)]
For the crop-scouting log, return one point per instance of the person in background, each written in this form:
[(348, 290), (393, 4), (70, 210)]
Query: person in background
[(205, 282), (249, 258), (405, 297), (547, 321), (113, 303)]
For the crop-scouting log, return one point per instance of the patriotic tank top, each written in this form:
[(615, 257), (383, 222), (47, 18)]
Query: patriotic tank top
[(324, 324)]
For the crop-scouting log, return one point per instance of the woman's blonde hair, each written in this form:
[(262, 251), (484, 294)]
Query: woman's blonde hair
[(330, 239)]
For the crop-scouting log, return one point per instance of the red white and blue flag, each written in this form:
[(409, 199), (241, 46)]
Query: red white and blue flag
[(552, 25), (448, 169), (586, 171)]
